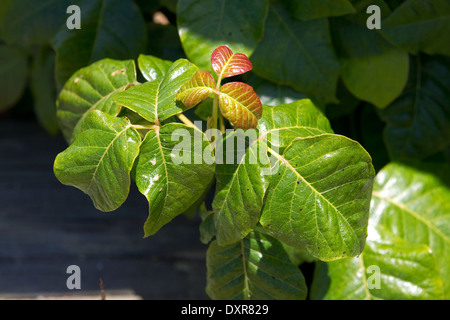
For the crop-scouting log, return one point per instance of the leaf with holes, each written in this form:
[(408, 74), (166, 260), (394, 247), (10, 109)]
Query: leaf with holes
[(200, 87), (240, 104), (228, 64), (255, 268), (99, 161), (320, 197)]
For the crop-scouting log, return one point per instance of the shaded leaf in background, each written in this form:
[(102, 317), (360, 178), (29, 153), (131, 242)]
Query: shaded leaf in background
[(418, 122), (240, 105), (164, 42), (273, 94), (204, 25), (313, 9), (29, 22), (99, 161), (43, 89), (420, 25), (92, 88), (255, 268), (171, 180), (241, 185), (298, 54), (155, 100), (319, 199), (109, 28), (371, 68), (408, 238), (13, 75)]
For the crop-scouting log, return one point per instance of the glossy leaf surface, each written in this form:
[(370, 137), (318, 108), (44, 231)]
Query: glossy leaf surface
[(92, 88), (153, 68), (227, 64), (171, 179), (255, 268), (155, 100), (408, 238), (240, 104), (284, 123), (99, 161), (200, 87), (319, 199), (242, 180)]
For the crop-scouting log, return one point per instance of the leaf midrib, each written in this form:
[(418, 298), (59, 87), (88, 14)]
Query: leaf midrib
[(414, 214)]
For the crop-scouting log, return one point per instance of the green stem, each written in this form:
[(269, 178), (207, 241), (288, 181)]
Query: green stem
[(187, 122), (215, 110)]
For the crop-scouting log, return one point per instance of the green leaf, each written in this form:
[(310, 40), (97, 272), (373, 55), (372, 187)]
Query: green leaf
[(418, 121), (413, 203), (420, 25), (109, 29), (228, 64), (372, 69), (153, 68), (313, 9), (320, 197), (204, 25), (199, 88), (394, 271), (13, 75), (378, 79), (408, 238), (171, 176), (273, 94), (284, 123), (43, 89), (255, 268), (242, 180), (207, 228), (155, 100), (298, 54), (92, 88), (240, 105), (99, 161), (27, 22)]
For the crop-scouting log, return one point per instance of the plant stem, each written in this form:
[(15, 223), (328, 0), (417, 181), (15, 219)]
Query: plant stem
[(187, 122), (215, 109)]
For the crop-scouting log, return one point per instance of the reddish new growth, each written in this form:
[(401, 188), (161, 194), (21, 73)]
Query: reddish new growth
[(237, 101)]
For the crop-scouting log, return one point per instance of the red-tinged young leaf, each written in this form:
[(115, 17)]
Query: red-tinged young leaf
[(240, 104), (227, 64), (197, 89)]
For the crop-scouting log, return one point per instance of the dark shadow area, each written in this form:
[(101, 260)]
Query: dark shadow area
[(46, 226)]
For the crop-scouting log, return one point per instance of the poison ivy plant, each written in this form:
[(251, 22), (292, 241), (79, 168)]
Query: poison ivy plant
[(286, 91), (286, 180)]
